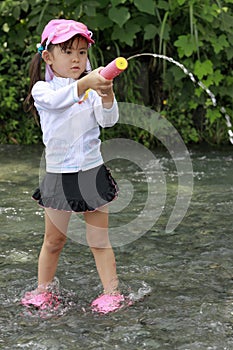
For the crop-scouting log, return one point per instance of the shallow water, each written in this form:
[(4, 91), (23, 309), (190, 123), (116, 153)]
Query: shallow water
[(186, 275)]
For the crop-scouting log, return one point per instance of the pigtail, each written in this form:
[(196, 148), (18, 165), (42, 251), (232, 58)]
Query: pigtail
[(35, 75)]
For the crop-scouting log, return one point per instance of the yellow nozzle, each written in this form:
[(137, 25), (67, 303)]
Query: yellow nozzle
[(121, 63)]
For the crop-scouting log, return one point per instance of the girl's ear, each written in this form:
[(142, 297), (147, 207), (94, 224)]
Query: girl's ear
[(47, 56)]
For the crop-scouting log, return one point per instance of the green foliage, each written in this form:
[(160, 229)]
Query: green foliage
[(198, 33), (16, 126)]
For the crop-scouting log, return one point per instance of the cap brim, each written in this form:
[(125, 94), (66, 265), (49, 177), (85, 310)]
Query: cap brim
[(66, 36)]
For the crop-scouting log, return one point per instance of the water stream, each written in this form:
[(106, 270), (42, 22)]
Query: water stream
[(196, 82), (186, 275)]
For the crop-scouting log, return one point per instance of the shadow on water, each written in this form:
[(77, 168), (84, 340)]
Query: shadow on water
[(189, 271)]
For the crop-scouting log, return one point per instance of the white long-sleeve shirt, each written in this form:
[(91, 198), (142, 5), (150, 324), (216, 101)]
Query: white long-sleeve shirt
[(71, 130)]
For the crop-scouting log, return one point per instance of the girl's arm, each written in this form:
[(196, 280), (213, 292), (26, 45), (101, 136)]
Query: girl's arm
[(107, 98), (47, 98), (101, 85)]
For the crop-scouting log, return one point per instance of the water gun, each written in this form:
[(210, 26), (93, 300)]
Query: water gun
[(114, 68)]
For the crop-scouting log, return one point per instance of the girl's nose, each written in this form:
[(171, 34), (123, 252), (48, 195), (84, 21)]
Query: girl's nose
[(76, 57)]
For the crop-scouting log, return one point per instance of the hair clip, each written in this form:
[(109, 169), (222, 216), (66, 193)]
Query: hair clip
[(40, 49)]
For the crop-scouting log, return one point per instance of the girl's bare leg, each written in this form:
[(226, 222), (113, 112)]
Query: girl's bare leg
[(98, 240), (56, 223)]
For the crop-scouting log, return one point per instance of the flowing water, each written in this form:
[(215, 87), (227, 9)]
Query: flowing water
[(181, 281)]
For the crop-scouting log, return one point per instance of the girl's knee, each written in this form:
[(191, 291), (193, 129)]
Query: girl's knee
[(54, 246)]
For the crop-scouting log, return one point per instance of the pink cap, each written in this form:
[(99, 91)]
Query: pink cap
[(60, 30)]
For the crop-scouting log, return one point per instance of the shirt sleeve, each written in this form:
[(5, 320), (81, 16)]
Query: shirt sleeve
[(106, 117), (47, 98)]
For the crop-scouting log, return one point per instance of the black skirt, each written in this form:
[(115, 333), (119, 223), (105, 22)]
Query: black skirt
[(77, 192)]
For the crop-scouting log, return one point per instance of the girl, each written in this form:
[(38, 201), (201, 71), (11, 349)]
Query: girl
[(72, 105)]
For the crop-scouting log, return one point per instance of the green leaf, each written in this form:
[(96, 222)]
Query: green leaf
[(78, 11), (177, 73), (230, 38), (203, 68), (219, 43), (24, 5), (16, 12), (100, 21), (150, 31), (226, 22), (102, 3), (147, 6), (229, 52), (181, 2), (212, 115), (126, 34), (117, 2), (90, 7), (90, 11), (186, 45), (163, 5), (214, 79), (192, 104), (119, 15)]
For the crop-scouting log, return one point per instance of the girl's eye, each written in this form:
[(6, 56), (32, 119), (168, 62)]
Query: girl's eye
[(83, 52)]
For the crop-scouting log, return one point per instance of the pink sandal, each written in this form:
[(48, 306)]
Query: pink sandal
[(106, 303), (41, 300)]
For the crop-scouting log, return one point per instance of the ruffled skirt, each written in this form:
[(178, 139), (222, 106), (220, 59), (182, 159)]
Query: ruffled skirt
[(77, 192)]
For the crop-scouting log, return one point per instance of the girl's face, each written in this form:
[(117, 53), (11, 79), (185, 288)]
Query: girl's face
[(69, 62)]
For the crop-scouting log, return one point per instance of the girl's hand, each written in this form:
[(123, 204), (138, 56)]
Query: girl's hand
[(102, 86)]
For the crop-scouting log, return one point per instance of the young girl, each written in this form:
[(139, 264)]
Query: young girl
[(72, 103)]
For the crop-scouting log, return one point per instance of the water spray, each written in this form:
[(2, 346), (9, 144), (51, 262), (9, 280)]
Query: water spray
[(198, 82), (118, 65)]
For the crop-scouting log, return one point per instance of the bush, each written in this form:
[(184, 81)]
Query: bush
[(196, 33)]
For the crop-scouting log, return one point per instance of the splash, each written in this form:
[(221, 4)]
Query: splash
[(56, 303), (141, 293), (195, 81)]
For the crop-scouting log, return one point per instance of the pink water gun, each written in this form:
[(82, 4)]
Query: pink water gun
[(114, 68)]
